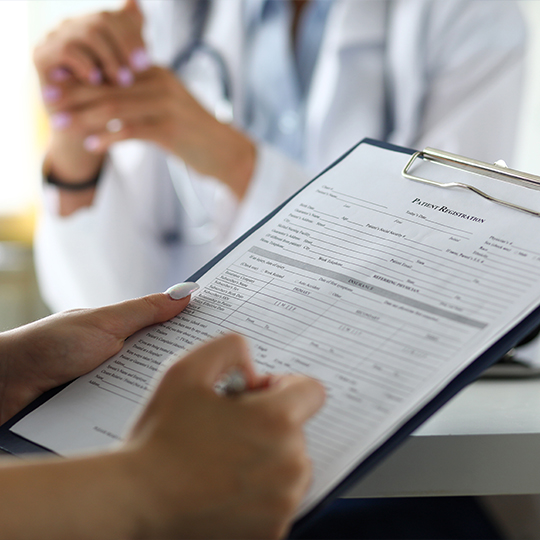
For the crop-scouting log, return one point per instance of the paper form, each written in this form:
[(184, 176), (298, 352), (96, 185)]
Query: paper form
[(381, 287)]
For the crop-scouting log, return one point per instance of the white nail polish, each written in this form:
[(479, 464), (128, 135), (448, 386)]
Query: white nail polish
[(181, 290)]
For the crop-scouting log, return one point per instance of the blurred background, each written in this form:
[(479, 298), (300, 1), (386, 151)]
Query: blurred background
[(24, 134), (25, 131), (22, 141)]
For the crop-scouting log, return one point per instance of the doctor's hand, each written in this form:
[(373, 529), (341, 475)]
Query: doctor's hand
[(57, 349), (160, 109), (101, 49), (156, 108), (104, 47), (212, 466)]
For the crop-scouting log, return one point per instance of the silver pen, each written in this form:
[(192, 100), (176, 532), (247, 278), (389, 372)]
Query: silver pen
[(232, 384)]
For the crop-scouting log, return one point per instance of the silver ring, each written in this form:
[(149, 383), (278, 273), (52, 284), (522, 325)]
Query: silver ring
[(114, 125)]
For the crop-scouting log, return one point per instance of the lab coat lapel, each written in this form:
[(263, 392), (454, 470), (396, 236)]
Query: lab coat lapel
[(407, 78), (352, 24)]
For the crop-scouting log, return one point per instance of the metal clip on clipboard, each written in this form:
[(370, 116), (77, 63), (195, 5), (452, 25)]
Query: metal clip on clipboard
[(496, 170), (509, 366)]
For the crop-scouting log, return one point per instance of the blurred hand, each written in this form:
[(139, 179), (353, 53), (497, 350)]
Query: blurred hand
[(100, 47), (156, 108), (213, 466), (59, 348), (98, 88)]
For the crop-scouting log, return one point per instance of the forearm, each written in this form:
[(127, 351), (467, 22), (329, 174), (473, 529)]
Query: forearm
[(16, 388), (85, 498), (232, 157), (275, 178), (4, 373), (8, 387)]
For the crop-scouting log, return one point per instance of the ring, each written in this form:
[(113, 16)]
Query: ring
[(114, 125)]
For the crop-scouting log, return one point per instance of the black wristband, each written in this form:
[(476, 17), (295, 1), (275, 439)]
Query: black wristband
[(81, 186)]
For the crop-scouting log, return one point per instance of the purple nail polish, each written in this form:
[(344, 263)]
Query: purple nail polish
[(60, 74), (125, 77), (60, 120), (95, 77), (91, 143), (51, 94), (140, 61)]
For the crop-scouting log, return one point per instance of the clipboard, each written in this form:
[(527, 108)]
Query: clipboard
[(16, 445)]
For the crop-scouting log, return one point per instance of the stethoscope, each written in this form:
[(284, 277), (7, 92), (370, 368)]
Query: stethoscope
[(201, 229)]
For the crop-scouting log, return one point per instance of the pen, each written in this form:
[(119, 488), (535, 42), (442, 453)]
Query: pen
[(233, 383)]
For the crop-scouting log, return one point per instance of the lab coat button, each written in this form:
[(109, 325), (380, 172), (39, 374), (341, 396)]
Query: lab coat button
[(288, 122)]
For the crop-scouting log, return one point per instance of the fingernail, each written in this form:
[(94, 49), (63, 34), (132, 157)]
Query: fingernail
[(140, 61), (274, 379), (60, 120), (91, 143), (59, 74), (181, 290), (125, 77), (95, 77), (51, 94)]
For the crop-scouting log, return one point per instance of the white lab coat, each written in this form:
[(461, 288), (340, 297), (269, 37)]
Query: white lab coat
[(447, 72)]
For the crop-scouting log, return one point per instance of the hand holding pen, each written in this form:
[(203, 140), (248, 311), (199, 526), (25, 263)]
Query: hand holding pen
[(196, 464), (247, 449)]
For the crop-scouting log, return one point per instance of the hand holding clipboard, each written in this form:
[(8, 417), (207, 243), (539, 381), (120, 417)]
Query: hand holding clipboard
[(395, 294)]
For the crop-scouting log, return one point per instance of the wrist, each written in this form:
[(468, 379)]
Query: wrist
[(12, 353), (151, 513), (93, 497), (5, 368), (69, 162), (237, 163), (75, 179), (91, 183), (243, 165), (130, 501)]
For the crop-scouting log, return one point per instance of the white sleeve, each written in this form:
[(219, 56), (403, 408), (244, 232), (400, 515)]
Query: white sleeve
[(112, 250), (275, 179)]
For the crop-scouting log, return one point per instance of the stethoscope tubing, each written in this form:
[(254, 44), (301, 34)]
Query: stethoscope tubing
[(201, 228)]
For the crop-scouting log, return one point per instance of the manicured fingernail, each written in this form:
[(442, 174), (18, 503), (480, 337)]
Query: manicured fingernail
[(181, 290), (59, 74), (140, 61), (91, 143), (60, 120), (95, 77), (124, 77), (51, 94)]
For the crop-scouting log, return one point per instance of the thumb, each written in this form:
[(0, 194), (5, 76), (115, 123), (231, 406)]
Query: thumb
[(131, 5), (296, 395), (207, 364), (133, 9), (131, 315)]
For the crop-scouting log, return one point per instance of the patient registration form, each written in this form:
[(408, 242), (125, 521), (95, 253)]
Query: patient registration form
[(381, 287)]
